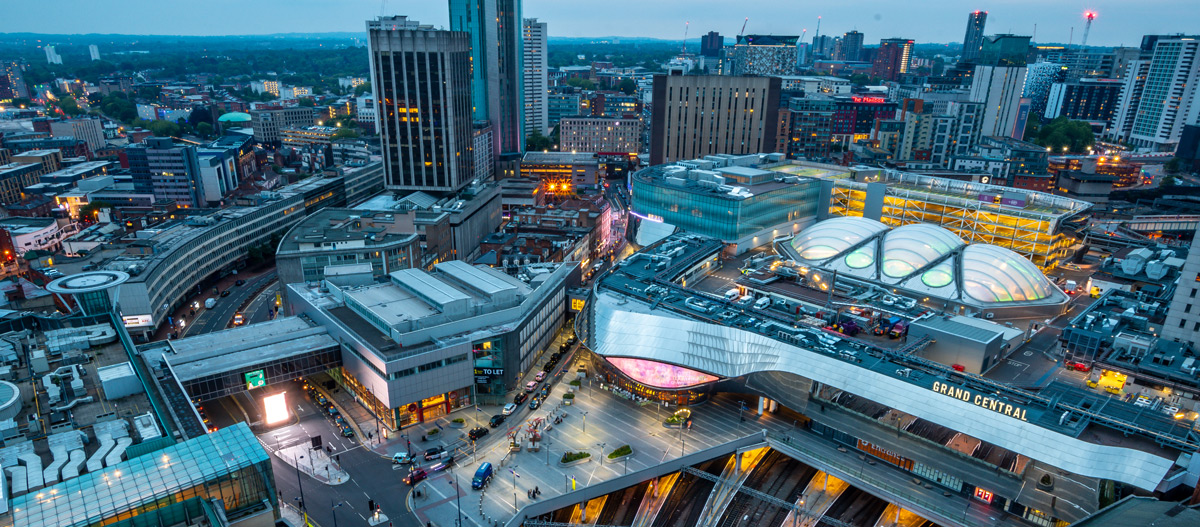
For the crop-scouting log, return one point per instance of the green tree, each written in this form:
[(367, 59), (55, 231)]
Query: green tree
[(538, 142), (1168, 181), (307, 102), (581, 83), (362, 88), (69, 106), (1064, 135), (163, 128), (204, 129), (860, 79), (345, 133), (627, 86), (1172, 166)]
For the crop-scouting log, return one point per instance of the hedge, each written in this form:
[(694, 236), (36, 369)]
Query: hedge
[(623, 451), (574, 456)]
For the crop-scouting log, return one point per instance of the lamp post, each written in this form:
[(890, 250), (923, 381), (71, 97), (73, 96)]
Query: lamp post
[(584, 422), (333, 510), (300, 484), (458, 500), (601, 445)]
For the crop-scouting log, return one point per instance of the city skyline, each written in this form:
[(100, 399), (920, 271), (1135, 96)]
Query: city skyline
[(1117, 23)]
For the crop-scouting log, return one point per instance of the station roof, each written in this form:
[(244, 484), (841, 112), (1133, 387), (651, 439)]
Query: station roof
[(203, 355)]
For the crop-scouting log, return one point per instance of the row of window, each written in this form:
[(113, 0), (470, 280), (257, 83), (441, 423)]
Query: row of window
[(429, 366)]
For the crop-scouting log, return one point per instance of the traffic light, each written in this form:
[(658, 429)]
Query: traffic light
[(316, 442), (371, 505)]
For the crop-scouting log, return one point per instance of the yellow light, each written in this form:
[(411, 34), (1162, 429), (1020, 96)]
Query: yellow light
[(276, 407)]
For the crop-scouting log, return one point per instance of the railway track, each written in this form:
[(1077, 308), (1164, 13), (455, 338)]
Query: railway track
[(686, 502), (855, 507)]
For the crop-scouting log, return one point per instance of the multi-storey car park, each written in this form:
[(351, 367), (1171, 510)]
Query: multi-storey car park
[(657, 330)]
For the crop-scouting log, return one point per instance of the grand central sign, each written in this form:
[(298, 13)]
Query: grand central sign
[(980, 400)]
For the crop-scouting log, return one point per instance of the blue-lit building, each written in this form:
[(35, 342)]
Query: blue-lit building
[(727, 197), (164, 487)]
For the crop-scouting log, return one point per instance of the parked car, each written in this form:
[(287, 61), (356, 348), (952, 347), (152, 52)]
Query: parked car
[(496, 420), (477, 433), (509, 409), (224, 293), (541, 376), (240, 282), (436, 453), (482, 475), (415, 476), (520, 398), (531, 386)]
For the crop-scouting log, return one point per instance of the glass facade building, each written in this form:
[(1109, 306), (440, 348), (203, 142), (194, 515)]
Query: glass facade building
[(749, 217), (164, 487)]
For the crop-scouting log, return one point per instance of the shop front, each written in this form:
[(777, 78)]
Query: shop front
[(431, 409), (643, 380)]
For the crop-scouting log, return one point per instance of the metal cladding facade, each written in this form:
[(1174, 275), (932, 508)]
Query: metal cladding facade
[(422, 78), (699, 115)]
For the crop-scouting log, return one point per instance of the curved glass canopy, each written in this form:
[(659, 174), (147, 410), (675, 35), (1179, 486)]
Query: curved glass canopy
[(996, 274), (831, 237), (911, 247)]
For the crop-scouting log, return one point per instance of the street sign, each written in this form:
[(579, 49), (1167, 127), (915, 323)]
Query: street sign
[(255, 379)]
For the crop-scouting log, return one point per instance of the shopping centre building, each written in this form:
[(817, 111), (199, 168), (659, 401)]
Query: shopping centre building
[(658, 331), (748, 201)]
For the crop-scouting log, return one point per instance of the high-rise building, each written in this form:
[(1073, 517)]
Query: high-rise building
[(999, 82), (89, 129), (94, 51), (1039, 77), (12, 81), (52, 56), (822, 46), (171, 172), (1093, 100), (536, 76), (765, 55), (1108, 64), (851, 46), (1160, 93), (699, 115), (711, 44), (422, 79), (892, 58), (973, 42), (269, 123), (494, 27), (600, 134)]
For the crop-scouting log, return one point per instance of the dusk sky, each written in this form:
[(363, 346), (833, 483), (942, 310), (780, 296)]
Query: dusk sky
[(1118, 22)]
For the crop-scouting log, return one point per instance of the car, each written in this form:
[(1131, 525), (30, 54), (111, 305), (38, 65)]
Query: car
[(239, 319), (224, 293), (477, 433), (240, 282), (520, 398), (509, 409), (545, 390), (402, 458), (436, 453), (541, 376), (535, 403), (482, 476), (531, 386), (446, 462), (416, 476), (347, 431), (496, 420)]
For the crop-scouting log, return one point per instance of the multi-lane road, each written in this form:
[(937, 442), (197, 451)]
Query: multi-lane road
[(221, 315)]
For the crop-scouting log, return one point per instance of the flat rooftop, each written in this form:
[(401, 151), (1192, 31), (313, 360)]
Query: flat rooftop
[(200, 356)]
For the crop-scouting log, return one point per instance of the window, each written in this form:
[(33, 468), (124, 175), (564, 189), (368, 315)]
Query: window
[(1187, 308), (1192, 294)]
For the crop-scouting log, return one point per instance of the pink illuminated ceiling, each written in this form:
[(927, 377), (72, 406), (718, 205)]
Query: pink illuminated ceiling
[(660, 375)]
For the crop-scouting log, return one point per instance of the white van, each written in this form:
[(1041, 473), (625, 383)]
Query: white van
[(732, 295), (744, 300), (763, 303)]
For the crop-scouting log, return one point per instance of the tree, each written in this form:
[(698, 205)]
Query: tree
[(69, 106), (1168, 181), (204, 129), (860, 79), (627, 86), (362, 88), (536, 142), (163, 128), (1065, 135), (307, 102), (345, 133), (581, 83), (1172, 166)]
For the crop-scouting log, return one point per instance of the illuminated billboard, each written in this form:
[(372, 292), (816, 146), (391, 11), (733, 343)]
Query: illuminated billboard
[(660, 375)]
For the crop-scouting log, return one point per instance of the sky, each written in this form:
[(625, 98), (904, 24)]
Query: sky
[(1117, 23)]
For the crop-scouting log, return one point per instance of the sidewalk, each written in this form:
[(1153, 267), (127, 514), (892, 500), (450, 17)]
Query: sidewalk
[(314, 462)]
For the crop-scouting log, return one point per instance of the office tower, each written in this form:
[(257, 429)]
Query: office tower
[(999, 82), (852, 45), (494, 27), (422, 81), (973, 42), (892, 58), (171, 172), (52, 56), (88, 129), (1183, 317), (684, 124), (535, 81), (94, 52), (269, 123), (765, 55), (12, 81), (823, 46), (1160, 93), (711, 44)]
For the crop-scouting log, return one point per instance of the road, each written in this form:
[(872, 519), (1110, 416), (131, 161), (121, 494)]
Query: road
[(221, 315)]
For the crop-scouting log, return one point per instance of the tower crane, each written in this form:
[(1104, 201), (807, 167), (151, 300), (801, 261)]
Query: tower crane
[(1090, 16), (747, 21)]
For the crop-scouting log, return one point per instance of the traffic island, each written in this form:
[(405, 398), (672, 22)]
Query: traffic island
[(570, 459), (458, 422)]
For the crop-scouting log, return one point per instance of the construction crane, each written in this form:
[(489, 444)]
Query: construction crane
[(818, 33), (1090, 16), (747, 21), (683, 49)]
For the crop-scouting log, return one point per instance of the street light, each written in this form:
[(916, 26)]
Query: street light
[(333, 510), (584, 422)]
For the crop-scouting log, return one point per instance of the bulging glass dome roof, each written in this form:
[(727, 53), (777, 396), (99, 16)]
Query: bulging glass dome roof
[(831, 237), (995, 274), (911, 247)]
